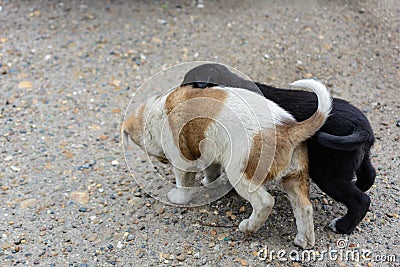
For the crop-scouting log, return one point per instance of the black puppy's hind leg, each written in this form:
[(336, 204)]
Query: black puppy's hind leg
[(356, 201), (365, 174)]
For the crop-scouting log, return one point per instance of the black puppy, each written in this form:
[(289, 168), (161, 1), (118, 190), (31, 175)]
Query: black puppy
[(338, 151)]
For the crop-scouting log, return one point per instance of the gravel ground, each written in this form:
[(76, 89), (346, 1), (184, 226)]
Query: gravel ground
[(67, 72)]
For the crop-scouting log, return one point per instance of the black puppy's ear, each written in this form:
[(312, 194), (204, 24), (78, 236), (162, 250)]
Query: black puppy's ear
[(201, 85)]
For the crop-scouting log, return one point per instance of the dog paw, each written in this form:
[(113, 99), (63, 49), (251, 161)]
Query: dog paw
[(342, 226), (300, 241), (245, 227), (304, 242), (179, 196)]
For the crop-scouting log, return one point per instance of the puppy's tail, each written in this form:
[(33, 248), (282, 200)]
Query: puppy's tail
[(345, 143), (303, 130)]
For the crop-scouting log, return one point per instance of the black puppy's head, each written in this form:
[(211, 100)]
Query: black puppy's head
[(213, 74), (206, 75)]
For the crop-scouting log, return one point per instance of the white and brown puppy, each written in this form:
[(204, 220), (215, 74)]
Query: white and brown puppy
[(231, 127)]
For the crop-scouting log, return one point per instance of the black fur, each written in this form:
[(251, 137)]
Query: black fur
[(336, 153)]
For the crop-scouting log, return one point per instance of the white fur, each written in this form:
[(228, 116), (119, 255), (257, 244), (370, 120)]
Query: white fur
[(305, 237), (265, 110)]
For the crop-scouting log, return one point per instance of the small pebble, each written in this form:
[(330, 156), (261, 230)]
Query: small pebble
[(25, 85), (5, 245), (162, 21), (200, 4), (244, 262), (115, 163), (134, 201), (5, 187), (242, 209), (181, 257), (81, 197), (307, 75), (16, 169), (27, 203)]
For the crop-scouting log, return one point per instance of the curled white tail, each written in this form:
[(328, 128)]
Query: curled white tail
[(301, 131), (324, 98)]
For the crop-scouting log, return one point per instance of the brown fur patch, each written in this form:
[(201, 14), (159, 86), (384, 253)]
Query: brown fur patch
[(300, 131), (254, 158), (288, 137), (259, 158), (189, 120), (299, 184), (134, 125), (261, 153), (283, 152)]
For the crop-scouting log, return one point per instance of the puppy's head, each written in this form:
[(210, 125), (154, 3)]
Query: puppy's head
[(138, 128), (213, 74)]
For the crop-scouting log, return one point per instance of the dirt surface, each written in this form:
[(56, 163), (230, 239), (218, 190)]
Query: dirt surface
[(67, 72)]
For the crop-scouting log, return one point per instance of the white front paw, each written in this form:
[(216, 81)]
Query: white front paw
[(300, 241), (245, 227), (179, 196), (304, 242)]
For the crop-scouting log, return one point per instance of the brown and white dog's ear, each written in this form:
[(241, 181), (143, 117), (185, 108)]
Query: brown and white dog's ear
[(133, 127), (125, 136)]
